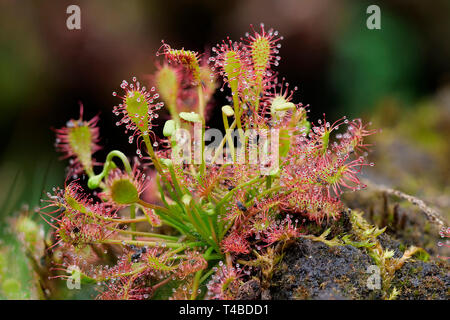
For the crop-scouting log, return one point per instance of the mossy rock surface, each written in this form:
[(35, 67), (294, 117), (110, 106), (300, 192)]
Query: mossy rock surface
[(313, 270), (423, 281)]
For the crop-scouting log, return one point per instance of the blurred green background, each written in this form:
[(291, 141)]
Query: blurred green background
[(399, 76)]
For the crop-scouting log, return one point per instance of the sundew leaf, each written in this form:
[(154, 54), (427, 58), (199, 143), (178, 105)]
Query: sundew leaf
[(137, 108), (80, 140), (123, 191), (232, 67)]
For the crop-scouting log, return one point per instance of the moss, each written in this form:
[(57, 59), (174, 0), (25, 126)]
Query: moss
[(301, 293), (325, 267)]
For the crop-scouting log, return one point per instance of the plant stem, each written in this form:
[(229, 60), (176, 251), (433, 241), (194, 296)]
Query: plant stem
[(266, 192), (230, 193), (201, 111), (214, 257), (201, 101), (195, 284), (147, 234), (160, 284), (222, 143), (133, 216), (229, 260), (206, 275), (122, 157), (152, 243), (153, 156), (142, 219), (95, 180), (237, 112), (228, 135), (268, 182), (152, 206), (171, 253)]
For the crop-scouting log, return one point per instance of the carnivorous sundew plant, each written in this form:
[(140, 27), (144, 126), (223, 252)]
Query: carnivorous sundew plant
[(222, 209)]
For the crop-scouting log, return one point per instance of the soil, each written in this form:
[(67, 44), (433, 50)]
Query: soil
[(313, 270)]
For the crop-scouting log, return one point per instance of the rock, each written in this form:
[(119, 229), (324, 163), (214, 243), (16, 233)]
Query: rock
[(313, 270), (250, 290), (419, 280)]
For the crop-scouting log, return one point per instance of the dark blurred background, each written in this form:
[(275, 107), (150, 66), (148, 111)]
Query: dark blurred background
[(340, 67)]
